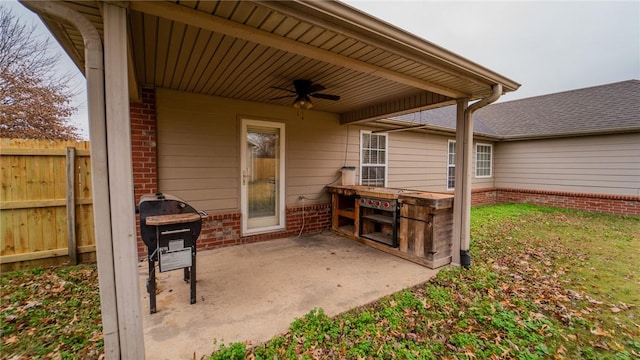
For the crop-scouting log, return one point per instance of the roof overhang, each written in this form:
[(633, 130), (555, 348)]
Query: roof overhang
[(242, 49)]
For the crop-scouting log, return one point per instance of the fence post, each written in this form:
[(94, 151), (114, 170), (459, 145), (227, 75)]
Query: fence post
[(71, 205)]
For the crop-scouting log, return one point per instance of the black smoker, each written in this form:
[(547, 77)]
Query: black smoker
[(169, 228)]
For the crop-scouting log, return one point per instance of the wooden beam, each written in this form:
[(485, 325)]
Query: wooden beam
[(71, 205), (45, 254), (39, 152), (217, 24), (431, 264), (29, 204)]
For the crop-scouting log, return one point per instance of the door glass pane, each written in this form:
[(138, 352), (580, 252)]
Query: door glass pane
[(263, 149)]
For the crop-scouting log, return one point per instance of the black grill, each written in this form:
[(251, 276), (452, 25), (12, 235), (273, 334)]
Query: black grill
[(169, 228)]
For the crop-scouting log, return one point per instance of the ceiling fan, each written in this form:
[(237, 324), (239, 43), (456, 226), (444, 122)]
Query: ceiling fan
[(304, 91)]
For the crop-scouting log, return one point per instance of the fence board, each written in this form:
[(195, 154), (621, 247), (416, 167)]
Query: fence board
[(33, 212), (70, 165)]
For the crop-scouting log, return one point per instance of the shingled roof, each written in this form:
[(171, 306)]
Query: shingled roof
[(601, 109)]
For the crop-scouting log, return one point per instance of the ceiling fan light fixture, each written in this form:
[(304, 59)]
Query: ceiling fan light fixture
[(303, 102)]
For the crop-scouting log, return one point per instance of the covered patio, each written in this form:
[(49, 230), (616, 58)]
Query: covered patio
[(251, 293), (211, 68)]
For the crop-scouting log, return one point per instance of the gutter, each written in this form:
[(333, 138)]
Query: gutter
[(94, 74), (465, 257)]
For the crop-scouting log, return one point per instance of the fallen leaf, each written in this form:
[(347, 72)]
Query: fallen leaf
[(11, 340), (31, 304), (599, 332)]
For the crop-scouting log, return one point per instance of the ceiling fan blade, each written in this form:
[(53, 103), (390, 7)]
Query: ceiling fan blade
[(314, 88), (283, 89), (283, 97), (325, 96)]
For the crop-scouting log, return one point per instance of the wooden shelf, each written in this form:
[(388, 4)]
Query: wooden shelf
[(348, 213), (379, 237), (379, 218), (347, 229)]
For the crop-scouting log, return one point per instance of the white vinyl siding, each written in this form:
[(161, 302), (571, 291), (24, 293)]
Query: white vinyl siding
[(484, 160), (603, 164), (451, 165), (373, 159)]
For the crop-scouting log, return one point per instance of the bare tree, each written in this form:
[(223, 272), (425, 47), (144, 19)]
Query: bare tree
[(34, 99)]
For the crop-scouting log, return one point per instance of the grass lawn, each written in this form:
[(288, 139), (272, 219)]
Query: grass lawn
[(545, 283), (51, 314)]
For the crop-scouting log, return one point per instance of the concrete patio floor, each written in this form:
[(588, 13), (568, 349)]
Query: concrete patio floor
[(250, 293)]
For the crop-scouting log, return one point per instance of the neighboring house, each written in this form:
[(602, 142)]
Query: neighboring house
[(577, 149), (195, 100)]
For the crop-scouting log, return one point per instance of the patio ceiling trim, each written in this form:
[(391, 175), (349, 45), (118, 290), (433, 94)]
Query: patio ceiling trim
[(216, 24)]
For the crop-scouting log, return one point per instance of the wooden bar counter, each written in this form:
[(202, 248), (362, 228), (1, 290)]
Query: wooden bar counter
[(424, 221)]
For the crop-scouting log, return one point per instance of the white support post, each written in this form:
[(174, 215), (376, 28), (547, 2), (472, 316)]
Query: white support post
[(94, 73), (123, 228), (463, 179)]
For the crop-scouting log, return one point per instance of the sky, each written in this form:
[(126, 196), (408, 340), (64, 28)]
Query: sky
[(547, 46)]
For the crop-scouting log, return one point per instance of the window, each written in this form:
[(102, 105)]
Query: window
[(483, 160), (373, 159), (451, 165)]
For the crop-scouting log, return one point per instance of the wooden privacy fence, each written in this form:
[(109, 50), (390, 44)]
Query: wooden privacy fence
[(46, 213)]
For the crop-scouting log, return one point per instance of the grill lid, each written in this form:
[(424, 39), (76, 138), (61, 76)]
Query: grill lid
[(154, 207)]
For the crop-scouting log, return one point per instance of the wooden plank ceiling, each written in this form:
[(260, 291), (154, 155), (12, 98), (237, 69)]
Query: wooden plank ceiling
[(226, 48)]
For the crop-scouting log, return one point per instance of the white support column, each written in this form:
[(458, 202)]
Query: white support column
[(122, 203), (463, 179), (94, 73)]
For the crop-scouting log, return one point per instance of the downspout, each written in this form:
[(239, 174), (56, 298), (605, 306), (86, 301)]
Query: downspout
[(465, 238), (94, 74)]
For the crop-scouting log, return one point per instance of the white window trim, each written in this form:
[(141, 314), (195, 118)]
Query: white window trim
[(449, 165), (490, 161), (386, 156)]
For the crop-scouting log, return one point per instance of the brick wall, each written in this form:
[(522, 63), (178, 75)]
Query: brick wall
[(143, 151), (610, 204), (486, 196), (225, 229)]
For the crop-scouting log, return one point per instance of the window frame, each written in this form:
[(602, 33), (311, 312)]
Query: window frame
[(450, 165), (386, 157), (477, 167)]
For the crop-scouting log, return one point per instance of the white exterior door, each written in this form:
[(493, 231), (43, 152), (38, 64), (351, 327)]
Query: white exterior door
[(262, 176)]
